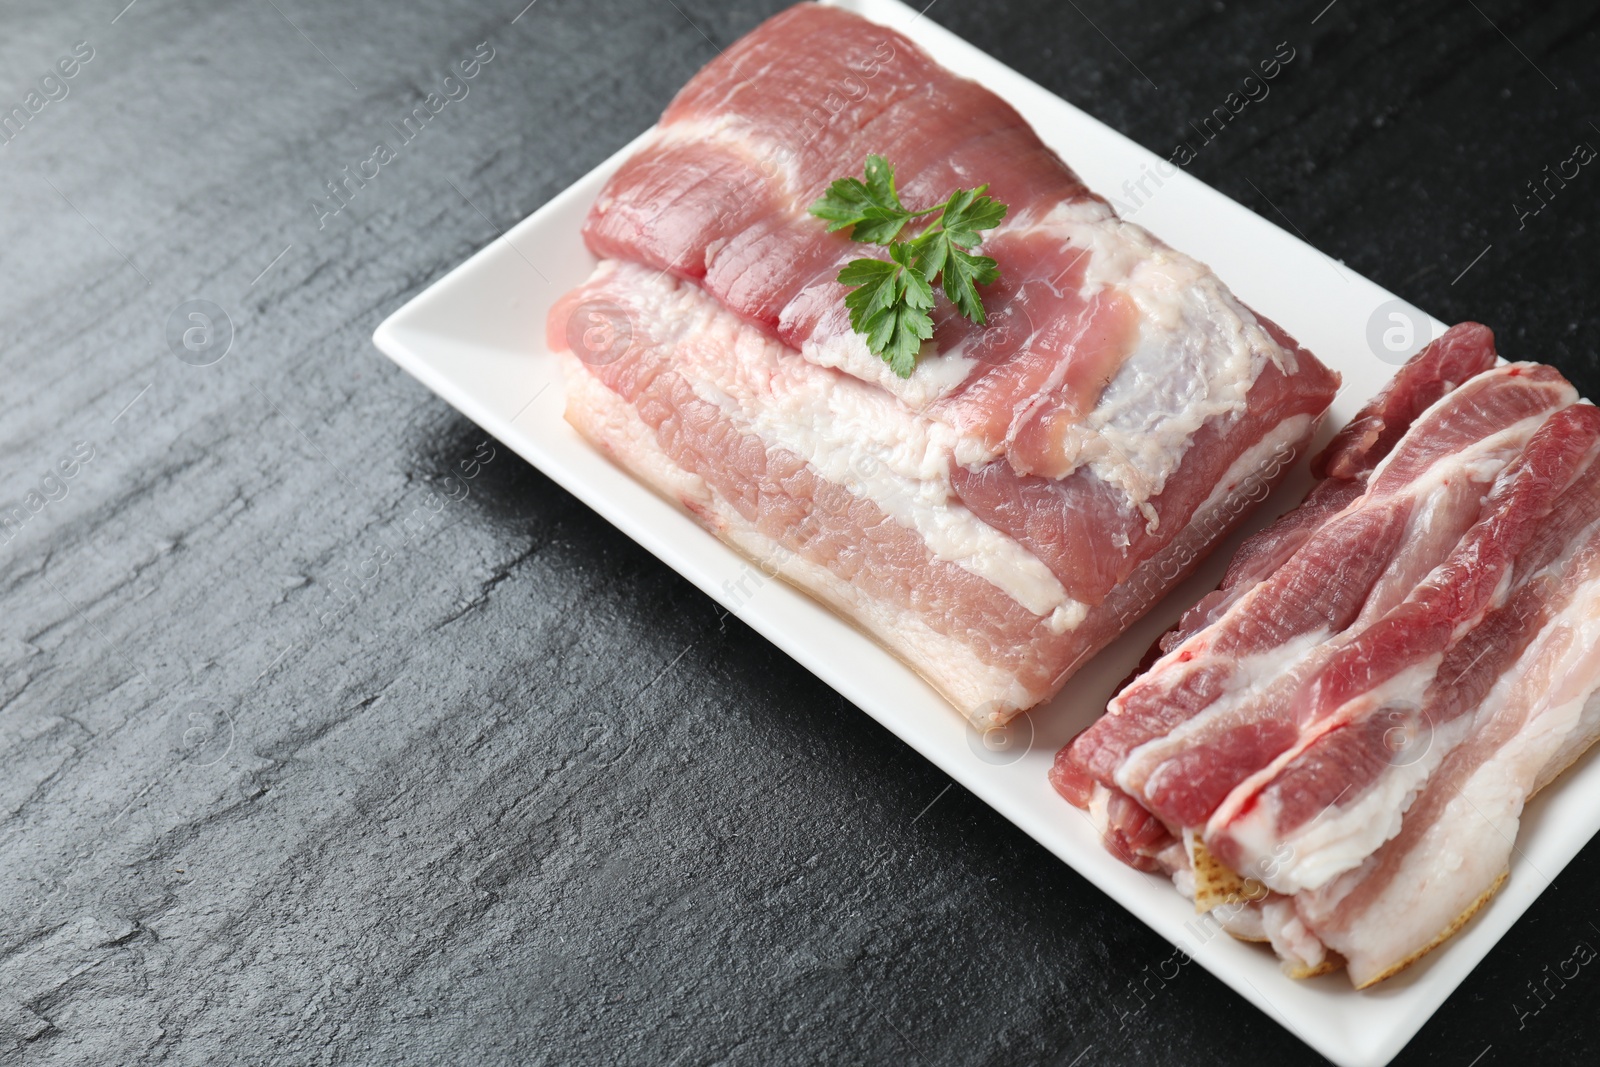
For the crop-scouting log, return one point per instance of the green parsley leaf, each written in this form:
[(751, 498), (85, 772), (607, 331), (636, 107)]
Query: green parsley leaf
[(873, 207), (941, 254), (889, 305), (961, 277), (967, 212), (890, 299)]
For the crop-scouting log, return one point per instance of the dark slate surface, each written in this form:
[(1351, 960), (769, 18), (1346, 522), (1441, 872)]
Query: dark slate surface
[(530, 798)]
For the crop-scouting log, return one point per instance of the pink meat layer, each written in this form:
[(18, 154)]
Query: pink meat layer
[(1465, 350)]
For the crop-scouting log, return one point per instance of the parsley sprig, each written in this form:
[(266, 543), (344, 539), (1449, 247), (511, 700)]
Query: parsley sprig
[(890, 300)]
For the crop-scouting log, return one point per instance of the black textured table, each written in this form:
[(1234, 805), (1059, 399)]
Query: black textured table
[(526, 796)]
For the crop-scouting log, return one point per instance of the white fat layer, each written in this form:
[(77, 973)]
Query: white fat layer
[(1456, 860), (1174, 859), (936, 374), (1243, 921), (1099, 813), (1199, 350), (1296, 946), (1574, 745), (853, 435)]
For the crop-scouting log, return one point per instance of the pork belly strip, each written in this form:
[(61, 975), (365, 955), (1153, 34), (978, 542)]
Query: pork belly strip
[(1106, 351), (1511, 706), (1461, 352), (835, 485)]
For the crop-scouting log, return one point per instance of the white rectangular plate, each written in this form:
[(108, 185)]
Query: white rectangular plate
[(476, 337)]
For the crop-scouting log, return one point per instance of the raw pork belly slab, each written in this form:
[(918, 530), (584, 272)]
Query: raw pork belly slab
[(1036, 483), (1334, 748)]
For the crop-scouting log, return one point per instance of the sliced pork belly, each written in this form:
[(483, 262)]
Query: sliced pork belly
[(1365, 739), (833, 484), (1221, 705), (1310, 730)]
